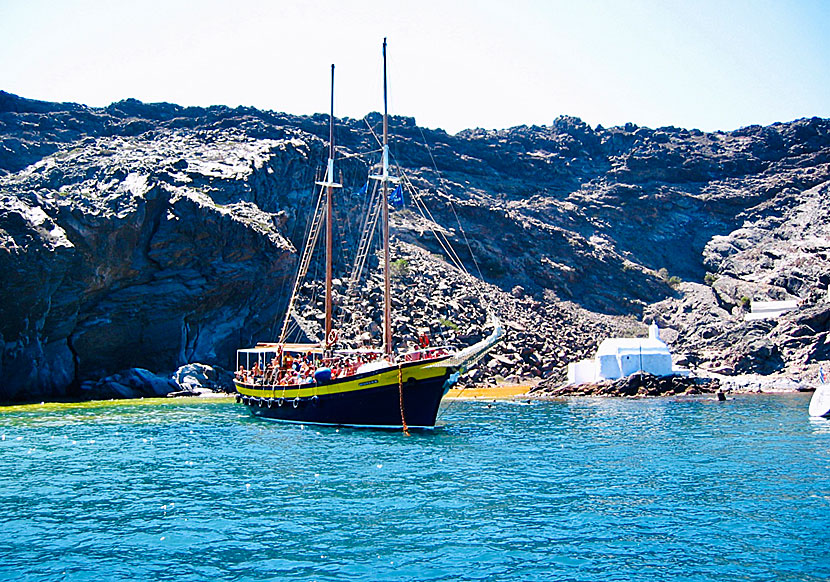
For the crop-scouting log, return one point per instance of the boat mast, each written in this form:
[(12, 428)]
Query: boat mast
[(387, 288), (329, 184), (327, 341), (320, 211)]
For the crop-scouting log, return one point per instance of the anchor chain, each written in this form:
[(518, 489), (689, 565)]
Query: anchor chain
[(400, 392)]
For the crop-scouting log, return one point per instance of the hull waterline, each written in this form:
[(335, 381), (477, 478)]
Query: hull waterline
[(387, 399)]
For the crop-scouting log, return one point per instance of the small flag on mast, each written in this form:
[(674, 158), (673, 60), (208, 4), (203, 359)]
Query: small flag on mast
[(821, 375), (396, 196)]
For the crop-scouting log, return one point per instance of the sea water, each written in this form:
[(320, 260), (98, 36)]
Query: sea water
[(583, 489)]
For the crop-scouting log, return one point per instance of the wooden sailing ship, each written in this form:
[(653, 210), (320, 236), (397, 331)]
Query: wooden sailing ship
[(317, 383)]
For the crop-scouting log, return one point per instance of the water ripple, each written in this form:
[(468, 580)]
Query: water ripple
[(583, 489)]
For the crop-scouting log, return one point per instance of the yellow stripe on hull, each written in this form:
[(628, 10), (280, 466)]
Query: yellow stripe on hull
[(422, 370)]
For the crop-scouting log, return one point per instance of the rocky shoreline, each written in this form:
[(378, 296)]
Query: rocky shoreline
[(641, 385), (204, 381)]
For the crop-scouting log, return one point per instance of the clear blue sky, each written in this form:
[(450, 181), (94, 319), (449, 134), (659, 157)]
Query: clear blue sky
[(453, 64)]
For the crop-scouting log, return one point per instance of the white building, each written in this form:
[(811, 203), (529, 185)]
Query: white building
[(618, 357), (769, 309)]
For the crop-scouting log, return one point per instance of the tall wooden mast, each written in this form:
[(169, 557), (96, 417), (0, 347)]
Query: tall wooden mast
[(329, 242), (387, 287), (329, 184)]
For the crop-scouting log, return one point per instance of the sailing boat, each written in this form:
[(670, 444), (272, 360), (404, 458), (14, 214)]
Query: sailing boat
[(820, 402), (316, 383)]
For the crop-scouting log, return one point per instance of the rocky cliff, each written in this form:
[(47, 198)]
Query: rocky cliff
[(152, 235)]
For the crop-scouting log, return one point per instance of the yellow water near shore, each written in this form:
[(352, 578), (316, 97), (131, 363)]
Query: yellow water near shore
[(94, 404), (500, 392)]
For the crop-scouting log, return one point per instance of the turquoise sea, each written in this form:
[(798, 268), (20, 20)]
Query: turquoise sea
[(585, 489)]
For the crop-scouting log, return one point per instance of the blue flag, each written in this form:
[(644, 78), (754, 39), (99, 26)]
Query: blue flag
[(363, 190), (396, 196)]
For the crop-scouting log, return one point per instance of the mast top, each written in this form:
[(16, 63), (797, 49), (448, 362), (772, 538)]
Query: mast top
[(328, 180), (387, 287)]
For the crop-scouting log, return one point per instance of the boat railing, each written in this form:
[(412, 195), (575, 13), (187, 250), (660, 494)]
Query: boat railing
[(342, 365), (428, 353)]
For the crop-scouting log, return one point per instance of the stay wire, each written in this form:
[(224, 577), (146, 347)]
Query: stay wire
[(452, 206), (306, 231)]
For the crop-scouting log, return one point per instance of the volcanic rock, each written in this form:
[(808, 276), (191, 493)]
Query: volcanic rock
[(199, 378), (131, 383), (639, 385), (151, 236)]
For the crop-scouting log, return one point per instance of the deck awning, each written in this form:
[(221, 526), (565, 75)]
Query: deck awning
[(263, 348)]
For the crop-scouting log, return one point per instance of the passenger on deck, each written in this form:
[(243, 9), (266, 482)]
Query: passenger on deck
[(414, 354)]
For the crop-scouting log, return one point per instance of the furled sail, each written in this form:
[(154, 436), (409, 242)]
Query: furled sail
[(472, 354)]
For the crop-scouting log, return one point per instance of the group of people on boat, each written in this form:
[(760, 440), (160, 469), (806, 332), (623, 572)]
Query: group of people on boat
[(293, 369), (297, 369), (283, 369)]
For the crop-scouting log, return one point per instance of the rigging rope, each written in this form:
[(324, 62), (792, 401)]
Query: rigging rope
[(372, 131), (305, 260), (368, 226), (400, 393), (439, 236), (450, 404), (346, 156), (452, 207)]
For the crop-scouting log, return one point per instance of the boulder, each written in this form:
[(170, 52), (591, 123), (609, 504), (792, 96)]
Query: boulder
[(639, 385), (202, 377), (130, 383)]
